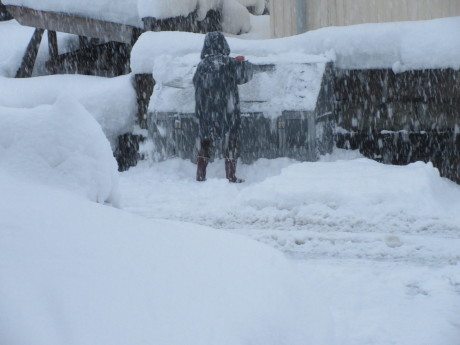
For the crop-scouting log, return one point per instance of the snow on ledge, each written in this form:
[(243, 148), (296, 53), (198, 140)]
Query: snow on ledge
[(152, 45), (400, 46), (235, 16)]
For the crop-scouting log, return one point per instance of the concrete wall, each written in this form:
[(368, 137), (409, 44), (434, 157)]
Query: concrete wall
[(291, 17)]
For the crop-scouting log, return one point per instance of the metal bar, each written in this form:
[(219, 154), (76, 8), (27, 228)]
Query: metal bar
[(28, 61)]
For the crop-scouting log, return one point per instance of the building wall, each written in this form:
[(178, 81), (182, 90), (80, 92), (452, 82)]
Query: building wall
[(291, 17)]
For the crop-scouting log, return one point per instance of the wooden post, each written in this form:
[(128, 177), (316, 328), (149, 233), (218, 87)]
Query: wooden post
[(143, 84), (28, 61), (84, 42), (53, 51)]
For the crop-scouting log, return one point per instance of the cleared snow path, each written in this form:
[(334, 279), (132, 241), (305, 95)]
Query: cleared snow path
[(344, 207)]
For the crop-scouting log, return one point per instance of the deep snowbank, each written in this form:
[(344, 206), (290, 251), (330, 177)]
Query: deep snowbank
[(369, 195), (111, 101), (59, 145), (401, 46), (75, 272), (381, 243)]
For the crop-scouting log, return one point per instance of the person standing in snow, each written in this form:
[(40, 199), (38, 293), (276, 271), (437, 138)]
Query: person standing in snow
[(217, 104)]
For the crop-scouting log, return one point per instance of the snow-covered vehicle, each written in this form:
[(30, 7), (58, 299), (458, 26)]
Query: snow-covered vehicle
[(286, 110)]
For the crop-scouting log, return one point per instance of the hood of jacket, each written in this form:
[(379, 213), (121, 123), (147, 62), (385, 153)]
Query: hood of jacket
[(215, 44)]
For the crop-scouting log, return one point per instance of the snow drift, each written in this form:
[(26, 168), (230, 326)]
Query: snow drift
[(59, 145), (111, 101), (74, 272)]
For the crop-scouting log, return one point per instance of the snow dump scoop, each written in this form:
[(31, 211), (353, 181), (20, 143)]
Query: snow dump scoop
[(287, 110)]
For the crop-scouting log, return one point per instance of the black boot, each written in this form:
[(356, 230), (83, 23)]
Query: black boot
[(230, 171), (202, 163)]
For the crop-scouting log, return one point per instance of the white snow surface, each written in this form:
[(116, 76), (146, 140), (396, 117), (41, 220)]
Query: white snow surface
[(401, 46), (381, 242), (373, 210), (75, 272), (341, 251), (59, 145), (112, 102)]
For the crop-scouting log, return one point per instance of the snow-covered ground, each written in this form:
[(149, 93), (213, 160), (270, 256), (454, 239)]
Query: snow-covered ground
[(336, 208), (342, 251), (381, 243)]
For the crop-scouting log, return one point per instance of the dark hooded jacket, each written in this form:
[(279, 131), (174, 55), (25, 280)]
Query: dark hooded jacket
[(217, 104)]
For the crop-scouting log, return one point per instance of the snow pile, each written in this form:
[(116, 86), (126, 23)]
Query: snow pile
[(59, 145), (353, 195), (112, 102), (401, 46), (380, 243), (236, 18), (161, 9), (259, 5), (74, 272), (323, 194)]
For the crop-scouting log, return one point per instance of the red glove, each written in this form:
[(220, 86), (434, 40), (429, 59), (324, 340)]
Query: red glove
[(239, 58)]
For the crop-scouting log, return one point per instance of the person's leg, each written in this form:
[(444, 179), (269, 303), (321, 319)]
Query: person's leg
[(202, 160), (231, 155)]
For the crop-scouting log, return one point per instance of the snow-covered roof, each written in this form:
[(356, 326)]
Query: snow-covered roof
[(235, 16)]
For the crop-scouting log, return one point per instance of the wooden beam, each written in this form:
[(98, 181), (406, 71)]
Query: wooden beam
[(64, 22), (4, 15), (53, 51), (108, 60), (28, 61)]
